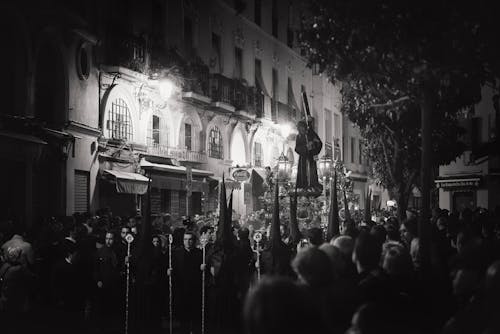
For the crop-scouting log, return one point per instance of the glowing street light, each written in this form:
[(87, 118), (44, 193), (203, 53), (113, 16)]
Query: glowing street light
[(166, 88), (284, 167)]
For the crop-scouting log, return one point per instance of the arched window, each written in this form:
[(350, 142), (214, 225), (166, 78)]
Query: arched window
[(119, 124), (215, 144)]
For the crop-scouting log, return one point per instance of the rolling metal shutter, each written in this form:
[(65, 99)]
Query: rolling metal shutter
[(81, 191)]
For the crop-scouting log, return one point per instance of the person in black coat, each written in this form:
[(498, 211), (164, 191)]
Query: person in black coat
[(67, 288), (106, 280), (186, 274)]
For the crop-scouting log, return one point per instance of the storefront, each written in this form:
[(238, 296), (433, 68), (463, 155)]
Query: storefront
[(172, 192)]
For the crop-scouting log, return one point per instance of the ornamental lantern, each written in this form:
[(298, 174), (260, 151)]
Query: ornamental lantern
[(284, 167), (324, 168)]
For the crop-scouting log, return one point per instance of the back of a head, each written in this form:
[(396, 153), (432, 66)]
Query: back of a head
[(345, 244), (278, 305), (367, 251), (315, 235), (337, 259), (397, 261), (314, 266)]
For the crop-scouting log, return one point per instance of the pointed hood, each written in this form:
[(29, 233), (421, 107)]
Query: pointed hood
[(333, 214), (229, 223), (346, 208), (275, 237), (221, 230), (294, 225), (368, 215)]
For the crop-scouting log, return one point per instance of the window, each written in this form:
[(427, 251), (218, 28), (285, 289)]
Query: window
[(257, 11), (187, 136), (259, 82), (274, 101), (157, 19), (156, 130), (119, 124), (275, 84), (238, 63), (257, 154), (275, 18), (215, 144), (216, 51), (188, 33), (360, 152), (353, 147), (165, 197), (289, 30), (336, 125), (328, 126)]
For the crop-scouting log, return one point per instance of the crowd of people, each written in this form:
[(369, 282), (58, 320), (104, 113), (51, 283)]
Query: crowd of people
[(368, 279)]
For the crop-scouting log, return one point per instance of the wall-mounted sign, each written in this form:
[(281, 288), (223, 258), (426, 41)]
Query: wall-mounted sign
[(241, 175)]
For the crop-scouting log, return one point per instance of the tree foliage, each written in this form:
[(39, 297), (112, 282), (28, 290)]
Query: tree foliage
[(392, 56)]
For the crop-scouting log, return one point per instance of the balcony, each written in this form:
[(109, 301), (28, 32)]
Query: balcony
[(127, 50), (230, 95), (176, 153), (196, 86)]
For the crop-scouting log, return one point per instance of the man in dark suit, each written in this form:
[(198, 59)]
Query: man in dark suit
[(186, 276)]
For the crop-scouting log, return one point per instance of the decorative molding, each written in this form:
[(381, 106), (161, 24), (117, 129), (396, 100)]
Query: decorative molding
[(82, 128), (289, 67), (257, 48), (216, 24), (239, 37), (276, 58)]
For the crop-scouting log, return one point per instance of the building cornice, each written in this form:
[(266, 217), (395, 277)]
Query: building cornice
[(82, 128)]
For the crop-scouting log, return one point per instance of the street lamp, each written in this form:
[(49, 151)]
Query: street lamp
[(325, 167), (284, 167), (325, 172)]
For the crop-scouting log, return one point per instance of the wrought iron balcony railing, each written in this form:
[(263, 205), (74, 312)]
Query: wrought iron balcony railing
[(236, 93), (176, 153)]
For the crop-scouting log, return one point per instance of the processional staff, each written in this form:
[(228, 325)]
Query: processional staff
[(129, 238), (203, 242), (170, 306), (257, 237)]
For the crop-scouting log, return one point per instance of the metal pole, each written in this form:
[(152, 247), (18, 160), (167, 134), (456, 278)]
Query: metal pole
[(258, 261), (170, 240), (203, 292), (129, 238), (257, 237)]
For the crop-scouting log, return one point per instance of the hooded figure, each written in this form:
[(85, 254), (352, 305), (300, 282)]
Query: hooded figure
[(223, 261), (276, 257), (333, 215)]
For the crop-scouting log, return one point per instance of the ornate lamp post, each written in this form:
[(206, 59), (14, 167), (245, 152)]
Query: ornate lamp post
[(284, 168), (325, 172)]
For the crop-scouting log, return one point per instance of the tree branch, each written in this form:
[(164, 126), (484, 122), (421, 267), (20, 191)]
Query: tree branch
[(389, 103), (386, 160)]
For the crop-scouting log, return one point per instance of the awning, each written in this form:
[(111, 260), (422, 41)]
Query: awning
[(129, 183), (173, 169)]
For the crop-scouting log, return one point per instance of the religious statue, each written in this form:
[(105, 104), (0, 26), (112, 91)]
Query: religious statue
[(307, 145)]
